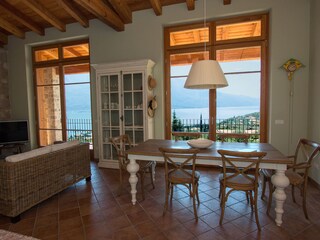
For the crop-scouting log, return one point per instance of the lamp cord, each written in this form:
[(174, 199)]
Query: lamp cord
[(205, 21)]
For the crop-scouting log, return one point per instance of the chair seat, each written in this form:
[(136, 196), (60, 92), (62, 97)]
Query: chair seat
[(180, 176), (240, 179), (294, 177)]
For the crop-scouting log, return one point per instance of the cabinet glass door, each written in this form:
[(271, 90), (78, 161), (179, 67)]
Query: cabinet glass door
[(110, 112), (133, 106)]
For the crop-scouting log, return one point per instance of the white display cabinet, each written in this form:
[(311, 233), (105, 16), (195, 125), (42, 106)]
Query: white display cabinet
[(122, 100)]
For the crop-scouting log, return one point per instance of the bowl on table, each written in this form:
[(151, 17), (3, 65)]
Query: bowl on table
[(200, 143)]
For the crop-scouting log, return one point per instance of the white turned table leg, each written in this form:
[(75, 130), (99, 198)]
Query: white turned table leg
[(280, 181), (133, 168)]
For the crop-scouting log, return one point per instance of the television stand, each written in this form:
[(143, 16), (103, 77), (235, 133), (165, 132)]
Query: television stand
[(11, 148)]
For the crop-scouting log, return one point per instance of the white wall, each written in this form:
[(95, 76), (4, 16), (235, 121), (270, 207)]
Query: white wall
[(289, 38), (314, 87)]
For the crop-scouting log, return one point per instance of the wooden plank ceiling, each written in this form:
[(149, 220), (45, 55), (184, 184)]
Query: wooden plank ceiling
[(20, 16)]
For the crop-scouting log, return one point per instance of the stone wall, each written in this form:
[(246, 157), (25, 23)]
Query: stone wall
[(4, 87)]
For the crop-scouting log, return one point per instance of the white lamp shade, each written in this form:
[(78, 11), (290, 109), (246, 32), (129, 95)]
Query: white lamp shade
[(206, 74)]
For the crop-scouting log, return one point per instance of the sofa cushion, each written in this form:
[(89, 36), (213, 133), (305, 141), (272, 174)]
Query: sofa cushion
[(56, 147), (29, 154)]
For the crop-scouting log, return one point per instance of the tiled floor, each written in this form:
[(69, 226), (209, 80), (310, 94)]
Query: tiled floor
[(94, 211)]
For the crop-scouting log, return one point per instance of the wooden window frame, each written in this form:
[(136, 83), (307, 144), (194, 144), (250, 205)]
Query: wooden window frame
[(212, 45), (60, 63)]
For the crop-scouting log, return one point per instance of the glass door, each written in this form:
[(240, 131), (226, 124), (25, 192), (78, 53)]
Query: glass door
[(238, 105), (133, 115), (189, 107), (110, 112)]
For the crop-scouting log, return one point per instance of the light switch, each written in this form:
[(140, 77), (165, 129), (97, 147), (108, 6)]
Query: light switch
[(279, 121)]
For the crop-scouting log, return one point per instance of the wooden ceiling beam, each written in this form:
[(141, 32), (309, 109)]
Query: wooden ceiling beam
[(74, 12), (157, 7), (102, 12), (190, 4), (45, 14), (11, 28), (3, 39), (122, 9), (226, 2), (21, 18)]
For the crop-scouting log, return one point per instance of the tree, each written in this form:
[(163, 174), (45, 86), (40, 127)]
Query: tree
[(177, 126)]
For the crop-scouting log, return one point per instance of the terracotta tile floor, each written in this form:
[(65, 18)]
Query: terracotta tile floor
[(92, 210)]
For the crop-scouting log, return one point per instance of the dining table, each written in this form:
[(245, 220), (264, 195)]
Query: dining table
[(274, 159)]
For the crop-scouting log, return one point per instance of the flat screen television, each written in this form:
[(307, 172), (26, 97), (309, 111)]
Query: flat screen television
[(14, 132)]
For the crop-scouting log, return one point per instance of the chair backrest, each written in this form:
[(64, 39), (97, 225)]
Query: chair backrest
[(249, 161), (306, 151), (121, 144), (185, 135), (179, 160), (234, 137)]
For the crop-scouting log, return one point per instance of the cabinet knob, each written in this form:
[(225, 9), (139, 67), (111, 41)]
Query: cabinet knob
[(121, 118)]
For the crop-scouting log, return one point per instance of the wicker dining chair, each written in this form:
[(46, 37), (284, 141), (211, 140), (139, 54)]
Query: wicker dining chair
[(297, 173), (240, 179), (123, 143), (185, 135), (238, 137), (181, 174)]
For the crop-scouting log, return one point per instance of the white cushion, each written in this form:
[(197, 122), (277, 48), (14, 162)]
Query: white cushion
[(59, 146), (30, 154)]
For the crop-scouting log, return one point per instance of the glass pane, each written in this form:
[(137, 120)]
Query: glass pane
[(77, 74), (104, 83), (238, 30), (127, 100), (190, 36), (182, 62), (114, 83), (48, 137), (249, 57), (190, 107), (138, 100), (46, 54), (114, 98), (137, 81), (107, 151), (127, 82), (238, 105), (106, 135), (49, 107), (47, 76), (105, 118), (130, 133), (138, 118), (138, 136), (78, 50), (128, 118), (115, 118)]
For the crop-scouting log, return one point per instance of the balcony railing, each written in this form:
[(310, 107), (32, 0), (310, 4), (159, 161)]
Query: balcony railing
[(248, 125), (79, 129)]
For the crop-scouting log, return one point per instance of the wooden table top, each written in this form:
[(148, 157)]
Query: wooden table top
[(151, 148)]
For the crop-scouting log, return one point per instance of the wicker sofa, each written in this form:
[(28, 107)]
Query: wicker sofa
[(29, 178)]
